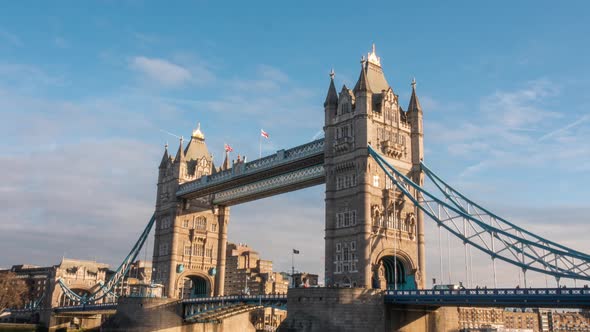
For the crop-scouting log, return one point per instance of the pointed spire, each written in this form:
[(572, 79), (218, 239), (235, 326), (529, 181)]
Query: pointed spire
[(180, 153), (165, 157), (414, 102), (332, 97), (373, 58), (362, 84), (197, 133), (225, 164)]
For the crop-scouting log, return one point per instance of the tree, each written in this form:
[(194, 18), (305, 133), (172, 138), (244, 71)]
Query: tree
[(13, 290)]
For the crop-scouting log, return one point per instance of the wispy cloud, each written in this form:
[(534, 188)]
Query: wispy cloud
[(521, 108), (162, 71), (565, 128)]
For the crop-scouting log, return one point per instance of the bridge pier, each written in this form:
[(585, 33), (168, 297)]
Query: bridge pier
[(159, 314), (359, 309)]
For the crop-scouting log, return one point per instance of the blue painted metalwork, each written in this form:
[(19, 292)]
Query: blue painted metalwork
[(266, 185), (519, 297), (87, 307), (528, 252), (107, 288), (193, 308), (282, 157)]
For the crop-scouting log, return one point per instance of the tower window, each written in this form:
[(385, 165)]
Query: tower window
[(376, 180), (338, 247), (163, 249)]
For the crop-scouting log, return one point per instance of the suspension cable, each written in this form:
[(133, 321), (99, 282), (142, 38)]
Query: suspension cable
[(570, 267)]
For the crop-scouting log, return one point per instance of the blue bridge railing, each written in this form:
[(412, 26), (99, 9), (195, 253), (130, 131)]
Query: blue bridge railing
[(512, 297)]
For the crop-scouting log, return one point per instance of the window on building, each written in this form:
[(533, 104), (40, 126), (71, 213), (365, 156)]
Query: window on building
[(163, 249), (337, 257), (346, 219), (339, 183), (353, 180), (213, 227), (345, 267), (339, 220), (187, 250), (353, 217), (353, 266), (388, 183), (185, 224), (375, 180), (199, 250), (345, 254), (338, 247), (390, 220), (348, 182), (208, 252), (353, 245)]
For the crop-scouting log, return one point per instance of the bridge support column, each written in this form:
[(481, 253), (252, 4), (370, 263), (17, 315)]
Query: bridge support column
[(421, 250), (223, 221)]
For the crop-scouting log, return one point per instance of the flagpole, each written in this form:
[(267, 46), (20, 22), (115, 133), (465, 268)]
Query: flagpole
[(260, 145), (293, 267)]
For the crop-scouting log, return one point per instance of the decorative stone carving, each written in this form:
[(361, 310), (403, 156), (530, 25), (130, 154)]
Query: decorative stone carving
[(392, 149)]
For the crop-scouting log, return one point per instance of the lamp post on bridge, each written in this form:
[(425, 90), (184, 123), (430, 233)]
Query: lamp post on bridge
[(295, 252)]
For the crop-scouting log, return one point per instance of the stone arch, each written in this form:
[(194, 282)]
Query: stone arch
[(64, 300), (394, 269), (194, 284)]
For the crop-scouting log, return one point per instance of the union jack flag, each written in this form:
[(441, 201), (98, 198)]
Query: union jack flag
[(264, 133), (228, 148)]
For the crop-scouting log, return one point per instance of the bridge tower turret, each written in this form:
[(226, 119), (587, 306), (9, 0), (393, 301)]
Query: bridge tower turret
[(371, 228), (187, 236)]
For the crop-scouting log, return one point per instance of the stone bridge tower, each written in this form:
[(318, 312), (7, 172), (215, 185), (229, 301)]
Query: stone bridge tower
[(190, 236), (374, 235)]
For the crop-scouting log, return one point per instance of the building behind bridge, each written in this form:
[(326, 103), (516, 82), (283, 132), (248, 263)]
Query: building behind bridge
[(82, 276), (247, 273), (538, 320)]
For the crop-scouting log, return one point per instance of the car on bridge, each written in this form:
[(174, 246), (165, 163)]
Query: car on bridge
[(449, 287)]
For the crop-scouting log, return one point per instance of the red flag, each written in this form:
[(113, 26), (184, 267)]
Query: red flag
[(228, 148), (263, 133)]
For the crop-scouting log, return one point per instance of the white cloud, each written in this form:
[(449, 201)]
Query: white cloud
[(520, 108), (162, 71)]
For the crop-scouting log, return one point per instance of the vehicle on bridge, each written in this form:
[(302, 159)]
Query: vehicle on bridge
[(449, 287)]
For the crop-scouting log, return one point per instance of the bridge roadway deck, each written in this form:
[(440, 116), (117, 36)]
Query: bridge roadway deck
[(510, 297), (517, 297), (284, 171)]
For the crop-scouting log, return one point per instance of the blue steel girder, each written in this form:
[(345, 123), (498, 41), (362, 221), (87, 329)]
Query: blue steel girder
[(106, 289), (297, 179), (282, 162), (194, 309), (495, 236), (520, 297)]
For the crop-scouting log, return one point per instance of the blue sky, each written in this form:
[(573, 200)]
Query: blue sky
[(87, 88)]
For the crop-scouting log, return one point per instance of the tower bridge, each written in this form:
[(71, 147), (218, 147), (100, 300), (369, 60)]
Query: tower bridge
[(371, 163)]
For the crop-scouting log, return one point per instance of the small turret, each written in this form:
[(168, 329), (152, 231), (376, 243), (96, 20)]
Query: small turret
[(180, 152), (414, 105), (225, 165), (165, 158), (332, 97), (362, 85)]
